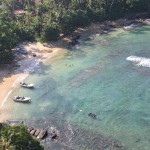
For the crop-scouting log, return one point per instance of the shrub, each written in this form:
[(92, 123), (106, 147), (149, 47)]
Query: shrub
[(17, 138), (50, 33)]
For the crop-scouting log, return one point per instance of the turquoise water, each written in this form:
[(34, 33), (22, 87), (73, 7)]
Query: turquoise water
[(95, 77)]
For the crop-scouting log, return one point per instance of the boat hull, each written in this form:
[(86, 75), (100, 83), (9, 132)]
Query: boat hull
[(22, 84), (21, 99)]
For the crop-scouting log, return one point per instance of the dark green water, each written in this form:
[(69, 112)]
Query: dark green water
[(95, 77)]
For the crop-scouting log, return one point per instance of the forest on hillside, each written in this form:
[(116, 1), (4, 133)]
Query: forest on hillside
[(44, 20)]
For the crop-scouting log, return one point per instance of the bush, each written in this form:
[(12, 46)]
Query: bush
[(25, 34), (80, 19), (6, 56), (70, 20), (17, 138), (50, 33), (96, 15), (66, 22)]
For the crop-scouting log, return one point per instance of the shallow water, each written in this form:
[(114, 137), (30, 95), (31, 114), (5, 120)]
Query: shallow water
[(94, 77)]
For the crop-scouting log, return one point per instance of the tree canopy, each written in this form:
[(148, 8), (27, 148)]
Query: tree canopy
[(17, 138), (44, 20)]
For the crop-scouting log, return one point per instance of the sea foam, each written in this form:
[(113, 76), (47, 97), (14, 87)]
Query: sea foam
[(141, 61)]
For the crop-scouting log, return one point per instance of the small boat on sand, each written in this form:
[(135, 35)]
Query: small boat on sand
[(21, 99), (25, 85)]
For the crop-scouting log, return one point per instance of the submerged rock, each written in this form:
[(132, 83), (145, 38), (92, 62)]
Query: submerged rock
[(92, 115), (53, 133)]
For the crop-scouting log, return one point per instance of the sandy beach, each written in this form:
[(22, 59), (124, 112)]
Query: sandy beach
[(12, 75)]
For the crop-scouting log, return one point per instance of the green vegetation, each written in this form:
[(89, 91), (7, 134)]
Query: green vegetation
[(17, 138), (44, 20)]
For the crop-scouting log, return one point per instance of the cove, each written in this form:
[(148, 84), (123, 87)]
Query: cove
[(94, 77)]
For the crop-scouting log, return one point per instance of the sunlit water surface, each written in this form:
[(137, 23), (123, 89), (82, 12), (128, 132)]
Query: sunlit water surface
[(94, 77)]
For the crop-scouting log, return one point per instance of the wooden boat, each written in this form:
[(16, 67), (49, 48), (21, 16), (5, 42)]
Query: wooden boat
[(25, 85), (42, 134), (37, 132), (21, 99), (30, 129), (32, 132)]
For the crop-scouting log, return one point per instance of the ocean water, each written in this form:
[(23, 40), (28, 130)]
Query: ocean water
[(97, 77)]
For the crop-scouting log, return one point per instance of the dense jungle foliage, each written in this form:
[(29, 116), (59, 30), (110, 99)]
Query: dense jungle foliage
[(17, 138), (44, 20)]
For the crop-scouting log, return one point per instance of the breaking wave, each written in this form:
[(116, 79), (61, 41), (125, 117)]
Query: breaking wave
[(141, 61)]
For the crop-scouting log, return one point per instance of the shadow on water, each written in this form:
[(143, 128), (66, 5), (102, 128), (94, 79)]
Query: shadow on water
[(76, 53)]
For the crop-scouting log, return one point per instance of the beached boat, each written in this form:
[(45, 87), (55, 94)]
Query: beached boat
[(38, 133), (23, 84), (42, 134), (131, 26), (21, 99)]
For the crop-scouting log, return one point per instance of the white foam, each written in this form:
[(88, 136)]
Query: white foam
[(141, 61)]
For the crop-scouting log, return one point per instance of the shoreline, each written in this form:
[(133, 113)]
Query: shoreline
[(10, 77), (8, 84)]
